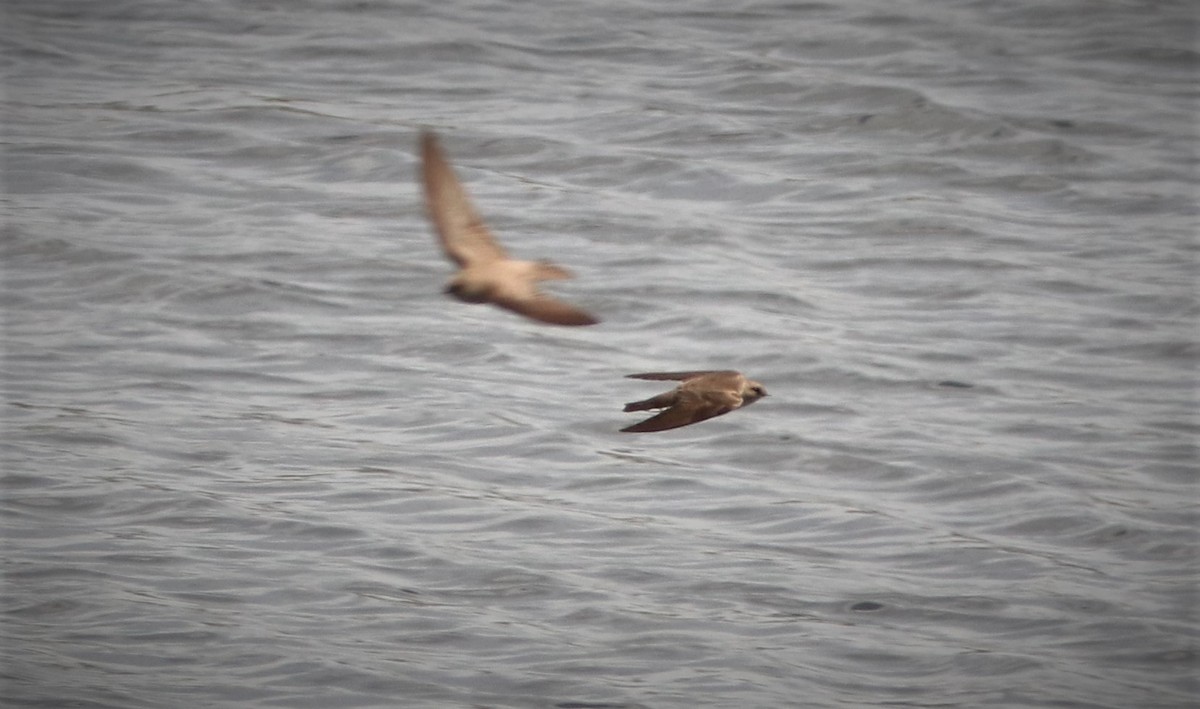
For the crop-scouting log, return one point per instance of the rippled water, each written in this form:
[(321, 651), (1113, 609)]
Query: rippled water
[(252, 456)]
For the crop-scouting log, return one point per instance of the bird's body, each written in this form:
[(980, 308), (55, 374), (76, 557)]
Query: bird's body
[(701, 395), (486, 273)]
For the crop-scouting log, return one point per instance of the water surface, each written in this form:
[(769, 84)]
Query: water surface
[(252, 456)]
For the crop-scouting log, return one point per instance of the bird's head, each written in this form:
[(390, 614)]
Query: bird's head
[(752, 392)]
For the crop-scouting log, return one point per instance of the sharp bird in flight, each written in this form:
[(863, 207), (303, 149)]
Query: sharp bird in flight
[(486, 273), (702, 395)]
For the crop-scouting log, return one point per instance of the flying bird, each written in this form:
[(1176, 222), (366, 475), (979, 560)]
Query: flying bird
[(486, 273), (702, 395)]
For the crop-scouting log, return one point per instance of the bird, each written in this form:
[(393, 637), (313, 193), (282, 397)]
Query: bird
[(701, 395), (486, 273)]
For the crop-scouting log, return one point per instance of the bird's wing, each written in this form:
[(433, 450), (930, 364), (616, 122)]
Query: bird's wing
[(464, 237), (675, 376), (547, 309), (692, 407)]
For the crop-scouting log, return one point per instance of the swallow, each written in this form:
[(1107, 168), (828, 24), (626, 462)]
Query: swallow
[(486, 273), (702, 395)]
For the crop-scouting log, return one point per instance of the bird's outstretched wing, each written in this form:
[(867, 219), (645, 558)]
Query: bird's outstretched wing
[(676, 376), (547, 309), (464, 236), (689, 408)]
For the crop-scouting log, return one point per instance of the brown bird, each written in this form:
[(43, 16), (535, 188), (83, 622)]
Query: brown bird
[(702, 395), (486, 273)]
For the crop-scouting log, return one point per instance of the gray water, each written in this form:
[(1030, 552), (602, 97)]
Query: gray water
[(253, 457)]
